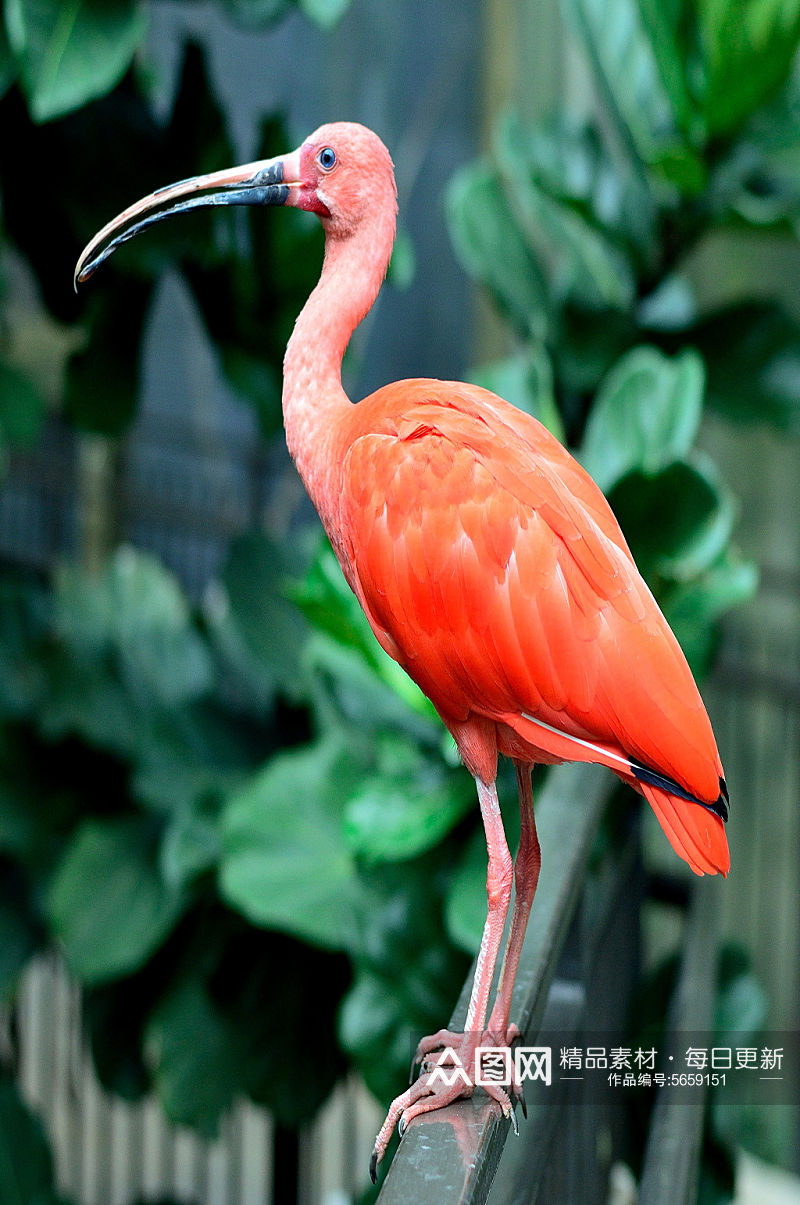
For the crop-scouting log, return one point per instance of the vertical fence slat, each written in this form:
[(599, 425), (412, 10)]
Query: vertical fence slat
[(672, 1157)]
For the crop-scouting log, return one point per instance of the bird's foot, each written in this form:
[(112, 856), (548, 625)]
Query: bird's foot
[(448, 1072), (445, 1039)]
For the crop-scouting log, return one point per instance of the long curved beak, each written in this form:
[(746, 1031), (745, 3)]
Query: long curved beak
[(267, 182)]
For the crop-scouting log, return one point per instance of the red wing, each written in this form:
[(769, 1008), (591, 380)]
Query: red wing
[(492, 568)]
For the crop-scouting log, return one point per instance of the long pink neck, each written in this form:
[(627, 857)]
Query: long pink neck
[(315, 406)]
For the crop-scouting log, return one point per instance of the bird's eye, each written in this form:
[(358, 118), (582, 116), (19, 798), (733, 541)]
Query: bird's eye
[(327, 158)]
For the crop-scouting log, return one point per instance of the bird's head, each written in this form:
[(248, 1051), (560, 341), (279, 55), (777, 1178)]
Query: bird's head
[(346, 174), (342, 172)]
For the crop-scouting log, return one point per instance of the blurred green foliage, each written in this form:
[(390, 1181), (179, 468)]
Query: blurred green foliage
[(241, 822), (696, 133)]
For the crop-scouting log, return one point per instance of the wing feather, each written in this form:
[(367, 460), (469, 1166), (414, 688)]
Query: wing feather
[(498, 570)]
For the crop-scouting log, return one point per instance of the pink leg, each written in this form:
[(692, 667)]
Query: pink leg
[(526, 877), (423, 1097), (498, 894)]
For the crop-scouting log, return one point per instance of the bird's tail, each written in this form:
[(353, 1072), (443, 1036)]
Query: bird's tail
[(695, 832)]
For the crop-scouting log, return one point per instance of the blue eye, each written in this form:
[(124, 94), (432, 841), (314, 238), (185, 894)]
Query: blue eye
[(327, 158)]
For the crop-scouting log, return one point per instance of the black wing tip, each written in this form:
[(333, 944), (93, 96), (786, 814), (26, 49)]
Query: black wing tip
[(719, 807)]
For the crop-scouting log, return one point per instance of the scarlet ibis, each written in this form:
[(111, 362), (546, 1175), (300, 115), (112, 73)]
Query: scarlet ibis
[(488, 564)]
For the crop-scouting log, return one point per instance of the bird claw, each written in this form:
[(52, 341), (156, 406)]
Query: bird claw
[(424, 1097), (504, 1100), (435, 1041)]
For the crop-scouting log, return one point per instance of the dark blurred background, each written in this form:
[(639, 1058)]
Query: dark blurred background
[(227, 823)]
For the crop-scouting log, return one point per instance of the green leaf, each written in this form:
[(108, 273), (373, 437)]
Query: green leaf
[(134, 610), (359, 664), (197, 1057), (189, 758), (73, 52), (670, 307), (108, 905), (409, 805), (284, 863), (752, 355), (491, 248), (346, 687), (622, 58), (569, 160), (87, 700), (748, 51), (26, 1165), (374, 1029), (677, 521), (256, 627), (694, 608), (666, 25), (330, 606), (525, 380), (579, 258), (190, 848), (645, 416), (324, 12), (681, 167), (762, 174)]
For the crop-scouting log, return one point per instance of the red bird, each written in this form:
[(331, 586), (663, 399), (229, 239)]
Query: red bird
[(488, 564)]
